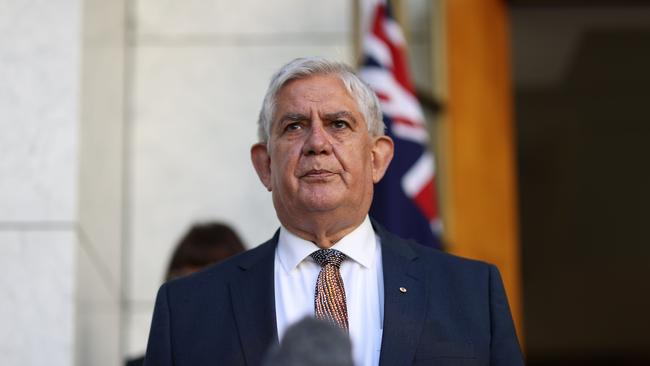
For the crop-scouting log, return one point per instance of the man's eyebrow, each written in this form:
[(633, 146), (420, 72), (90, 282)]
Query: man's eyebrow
[(339, 115), (294, 117)]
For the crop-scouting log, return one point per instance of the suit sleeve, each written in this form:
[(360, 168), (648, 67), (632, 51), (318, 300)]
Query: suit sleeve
[(159, 348), (504, 347)]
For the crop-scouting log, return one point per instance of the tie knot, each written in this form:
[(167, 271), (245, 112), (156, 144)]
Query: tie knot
[(328, 256)]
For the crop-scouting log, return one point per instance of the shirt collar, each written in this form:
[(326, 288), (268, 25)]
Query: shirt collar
[(359, 245)]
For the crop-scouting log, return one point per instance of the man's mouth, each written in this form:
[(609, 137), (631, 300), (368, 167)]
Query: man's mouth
[(318, 174)]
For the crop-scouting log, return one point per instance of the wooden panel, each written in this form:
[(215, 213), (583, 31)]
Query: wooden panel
[(481, 190)]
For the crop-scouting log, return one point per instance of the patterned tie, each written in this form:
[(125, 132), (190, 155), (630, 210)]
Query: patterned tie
[(329, 302)]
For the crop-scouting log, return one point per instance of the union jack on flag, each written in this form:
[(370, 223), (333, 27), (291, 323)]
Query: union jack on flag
[(405, 200)]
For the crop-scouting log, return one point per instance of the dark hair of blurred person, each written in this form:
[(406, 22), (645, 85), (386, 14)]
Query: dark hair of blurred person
[(204, 244), (312, 342)]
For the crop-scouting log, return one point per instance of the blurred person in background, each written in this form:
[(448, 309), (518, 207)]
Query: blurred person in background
[(203, 244)]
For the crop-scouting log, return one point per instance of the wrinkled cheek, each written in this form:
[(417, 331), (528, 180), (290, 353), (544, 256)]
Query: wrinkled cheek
[(284, 183), (348, 179), (277, 173)]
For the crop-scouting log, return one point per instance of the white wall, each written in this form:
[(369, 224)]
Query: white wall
[(61, 117), (199, 71), (39, 63)]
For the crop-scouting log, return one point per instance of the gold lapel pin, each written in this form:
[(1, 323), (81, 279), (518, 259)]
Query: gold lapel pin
[(402, 290)]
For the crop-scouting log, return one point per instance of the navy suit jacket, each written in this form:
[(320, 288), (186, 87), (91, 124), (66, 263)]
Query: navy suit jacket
[(454, 312)]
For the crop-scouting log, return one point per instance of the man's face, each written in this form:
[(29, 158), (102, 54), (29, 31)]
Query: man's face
[(320, 157)]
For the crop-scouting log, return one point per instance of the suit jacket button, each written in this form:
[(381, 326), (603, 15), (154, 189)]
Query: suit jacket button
[(402, 290)]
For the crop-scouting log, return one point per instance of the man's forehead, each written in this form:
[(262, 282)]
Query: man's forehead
[(328, 91), (314, 87)]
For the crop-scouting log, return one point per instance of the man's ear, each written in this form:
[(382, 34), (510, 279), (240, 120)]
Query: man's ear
[(382, 154), (262, 163)]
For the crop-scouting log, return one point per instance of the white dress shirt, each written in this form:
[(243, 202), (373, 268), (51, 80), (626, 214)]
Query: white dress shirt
[(295, 286)]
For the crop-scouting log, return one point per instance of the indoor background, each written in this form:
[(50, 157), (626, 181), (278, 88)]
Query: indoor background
[(124, 122)]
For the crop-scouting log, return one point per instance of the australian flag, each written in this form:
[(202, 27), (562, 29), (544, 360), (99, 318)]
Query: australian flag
[(405, 200)]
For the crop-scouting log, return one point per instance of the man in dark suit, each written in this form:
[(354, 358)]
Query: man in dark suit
[(322, 147)]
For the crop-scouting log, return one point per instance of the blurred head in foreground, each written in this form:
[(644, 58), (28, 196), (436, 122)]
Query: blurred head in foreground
[(204, 244), (312, 342)]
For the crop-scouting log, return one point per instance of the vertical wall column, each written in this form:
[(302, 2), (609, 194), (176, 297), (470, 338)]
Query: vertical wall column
[(482, 191), (39, 88), (101, 184), (60, 181)]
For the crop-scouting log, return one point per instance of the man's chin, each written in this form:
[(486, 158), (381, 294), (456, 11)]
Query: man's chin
[(320, 207), (320, 204)]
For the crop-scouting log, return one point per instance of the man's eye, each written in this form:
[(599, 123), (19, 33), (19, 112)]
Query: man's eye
[(340, 124), (293, 126)]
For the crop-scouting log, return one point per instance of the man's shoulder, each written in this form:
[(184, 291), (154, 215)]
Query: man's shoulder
[(435, 254), (431, 257)]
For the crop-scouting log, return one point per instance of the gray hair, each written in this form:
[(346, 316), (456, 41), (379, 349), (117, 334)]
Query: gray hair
[(302, 68)]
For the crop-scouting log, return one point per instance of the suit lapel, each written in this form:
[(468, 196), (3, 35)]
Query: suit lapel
[(404, 301), (253, 300)]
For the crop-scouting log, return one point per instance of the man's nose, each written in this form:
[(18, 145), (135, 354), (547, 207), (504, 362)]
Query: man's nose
[(318, 141)]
